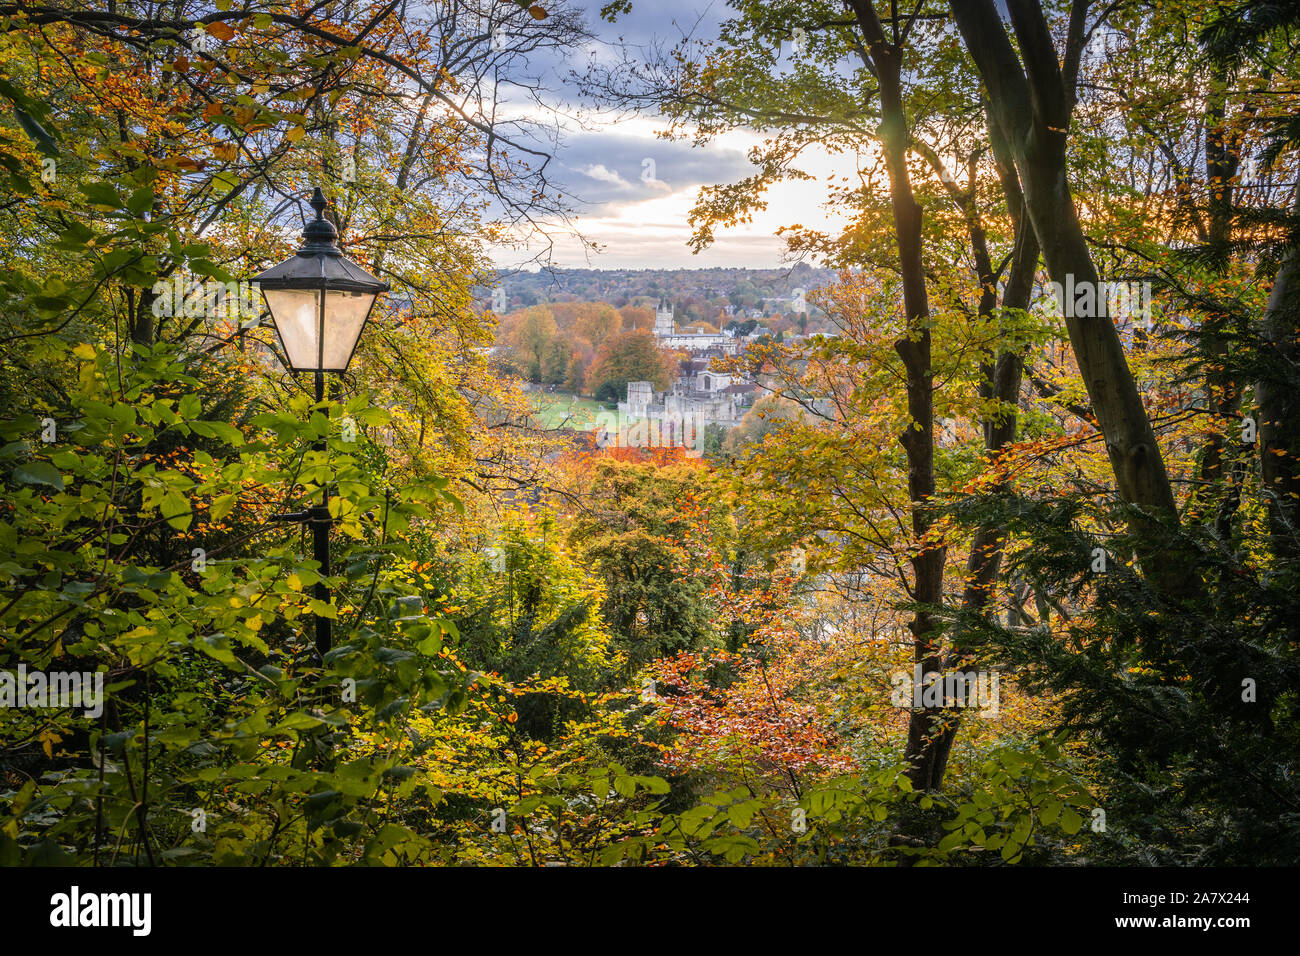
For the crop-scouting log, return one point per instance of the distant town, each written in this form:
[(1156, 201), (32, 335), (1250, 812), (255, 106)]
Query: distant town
[(650, 346)]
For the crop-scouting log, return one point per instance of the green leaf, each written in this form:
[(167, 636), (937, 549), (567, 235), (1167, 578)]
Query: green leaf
[(1050, 811), (656, 785), (42, 140), (39, 473), (227, 433), (216, 646), (140, 200), (222, 505), (102, 194), (525, 806), (175, 507), (298, 721)]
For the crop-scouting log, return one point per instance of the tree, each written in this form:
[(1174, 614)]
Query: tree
[(555, 365), (1031, 98), (575, 376), (532, 335), (631, 356), (529, 611), (739, 85), (767, 416), (636, 532), (637, 317), (596, 322), (177, 428)]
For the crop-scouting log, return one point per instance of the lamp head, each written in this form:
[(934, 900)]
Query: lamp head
[(319, 299)]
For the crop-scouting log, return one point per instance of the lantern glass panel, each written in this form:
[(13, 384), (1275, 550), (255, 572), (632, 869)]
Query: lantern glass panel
[(296, 314), (345, 314)]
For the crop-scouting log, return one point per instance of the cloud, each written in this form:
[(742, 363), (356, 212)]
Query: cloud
[(633, 191), (643, 223), (604, 167), (600, 173), (648, 168)]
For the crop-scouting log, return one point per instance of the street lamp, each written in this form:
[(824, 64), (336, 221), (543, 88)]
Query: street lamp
[(319, 301)]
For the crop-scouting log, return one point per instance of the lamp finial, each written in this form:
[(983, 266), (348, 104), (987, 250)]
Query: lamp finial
[(319, 237)]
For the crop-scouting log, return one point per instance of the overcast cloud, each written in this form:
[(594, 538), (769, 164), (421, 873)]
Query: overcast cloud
[(633, 190)]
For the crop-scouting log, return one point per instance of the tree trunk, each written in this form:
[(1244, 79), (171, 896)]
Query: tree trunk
[(914, 349), (1279, 404), (1032, 107), (1031, 103), (1220, 459), (1002, 383)]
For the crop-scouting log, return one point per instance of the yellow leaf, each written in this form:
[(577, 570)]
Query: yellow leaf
[(48, 739), (84, 351), (222, 506), (295, 134)]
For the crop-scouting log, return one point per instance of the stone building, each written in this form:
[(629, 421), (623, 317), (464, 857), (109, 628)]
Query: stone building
[(680, 415), (667, 336)]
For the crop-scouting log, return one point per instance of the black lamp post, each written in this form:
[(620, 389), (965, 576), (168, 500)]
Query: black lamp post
[(319, 301)]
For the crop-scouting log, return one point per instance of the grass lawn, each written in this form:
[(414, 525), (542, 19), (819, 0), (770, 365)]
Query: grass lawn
[(563, 410)]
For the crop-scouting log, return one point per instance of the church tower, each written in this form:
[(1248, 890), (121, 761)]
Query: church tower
[(664, 325)]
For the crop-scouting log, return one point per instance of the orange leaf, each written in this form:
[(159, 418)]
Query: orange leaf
[(222, 31)]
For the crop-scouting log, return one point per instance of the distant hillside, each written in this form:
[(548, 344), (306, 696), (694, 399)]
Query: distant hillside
[(696, 293)]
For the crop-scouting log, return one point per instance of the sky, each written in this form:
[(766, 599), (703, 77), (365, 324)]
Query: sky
[(633, 191)]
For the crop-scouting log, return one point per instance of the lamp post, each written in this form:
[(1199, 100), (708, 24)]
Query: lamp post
[(319, 301)]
